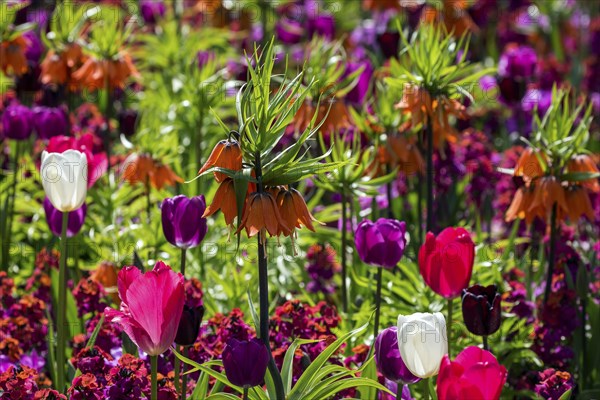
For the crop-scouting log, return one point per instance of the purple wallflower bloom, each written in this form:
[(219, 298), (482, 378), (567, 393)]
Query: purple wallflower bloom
[(245, 362), (54, 219), (388, 359), (381, 242), (553, 384), (16, 122), (182, 221), (49, 122), (33, 360), (204, 57)]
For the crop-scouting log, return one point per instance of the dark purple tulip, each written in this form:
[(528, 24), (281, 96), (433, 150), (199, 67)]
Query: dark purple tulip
[(16, 122), (381, 242), (388, 360), (517, 62), (182, 220), (389, 43), (152, 10), (481, 309), (245, 362), (127, 122), (54, 219), (189, 325), (50, 122)]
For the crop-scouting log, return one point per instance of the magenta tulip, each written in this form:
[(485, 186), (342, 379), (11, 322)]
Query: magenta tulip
[(151, 306), (475, 374)]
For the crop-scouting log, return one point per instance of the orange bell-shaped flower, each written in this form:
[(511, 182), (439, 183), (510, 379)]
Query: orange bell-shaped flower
[(584, 163), (529, 166), (225, 201), (578, 203), (293, 210), (226, 154), (549, 191), (163, 175), (262, 214), (12, 56), (520, 206)]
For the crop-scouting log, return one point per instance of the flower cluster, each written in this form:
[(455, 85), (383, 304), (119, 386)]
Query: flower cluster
[(322, 265)]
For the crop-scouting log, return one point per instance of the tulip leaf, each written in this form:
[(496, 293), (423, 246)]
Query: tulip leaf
[(92, 340), (566, 395), (222, 396), (201, 388), (288, 361)]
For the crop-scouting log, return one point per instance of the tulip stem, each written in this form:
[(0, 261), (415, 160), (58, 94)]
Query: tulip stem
[(263, 285), (9, 208), (485, 343), (177, 368), (449, 327), (186, 353), (426, 394), (245, 393), (62, 297), (183, 255), (388, 192), (344, 288), (429, 131), (153, 378), (378, 301), (551, 256), (107, 134)]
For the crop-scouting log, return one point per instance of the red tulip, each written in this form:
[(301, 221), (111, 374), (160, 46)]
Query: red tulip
[(446, 262), (475, 374), (151, 306)]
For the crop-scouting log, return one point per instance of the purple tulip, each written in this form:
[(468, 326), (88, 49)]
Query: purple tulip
[(35, 47), (245, 362), (50, 122), (381, 242), (182, 221), (16, 122), (359, 92), (152, 10), (389, 43), (54, 219), (322, 25), (289, 31), (205, 57), (518, 62), (388, 360)]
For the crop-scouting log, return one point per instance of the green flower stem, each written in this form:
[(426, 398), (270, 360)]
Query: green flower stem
[(245, 393), (183, 255), (551, 255), (177, 368), (429, 132), (61, 325), (186, 353), (388, 192), (378, 301), (8, 211), (426, 394), (485, 343), (449, 327), (153, 373), (107, 133), (344, 287), (263, 284)]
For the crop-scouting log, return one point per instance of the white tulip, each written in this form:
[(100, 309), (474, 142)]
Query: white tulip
[(423, 342), (64, 178)]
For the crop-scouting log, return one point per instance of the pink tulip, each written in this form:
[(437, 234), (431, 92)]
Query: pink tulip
[(475, 374), (151, 306)]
